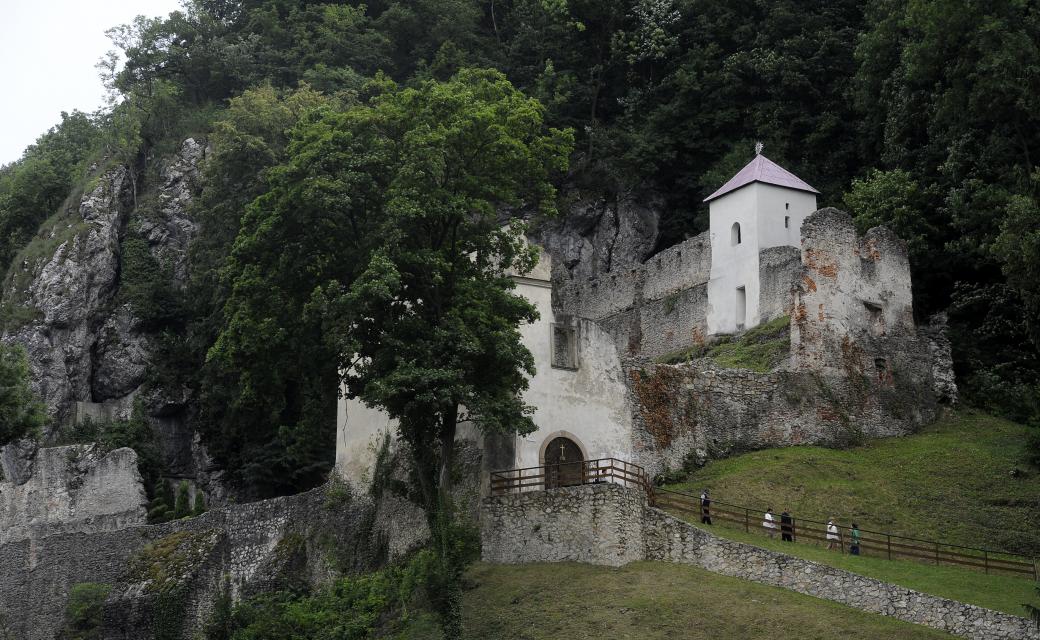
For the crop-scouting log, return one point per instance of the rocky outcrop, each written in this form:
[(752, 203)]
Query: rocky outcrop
[(77, 488), (595, 236), (89, 352), (68, 293)]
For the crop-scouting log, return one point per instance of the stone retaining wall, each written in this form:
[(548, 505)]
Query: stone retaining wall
[(597, 524), (610, 525)]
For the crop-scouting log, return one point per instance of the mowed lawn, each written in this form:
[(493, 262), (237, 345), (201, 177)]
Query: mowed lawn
[(962, 481), (654, 600)]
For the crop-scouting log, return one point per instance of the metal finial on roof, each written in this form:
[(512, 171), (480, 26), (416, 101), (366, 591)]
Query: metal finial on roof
[(758, 148)]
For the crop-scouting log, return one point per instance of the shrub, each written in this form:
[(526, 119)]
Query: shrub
[(183, 507), (83, 611)]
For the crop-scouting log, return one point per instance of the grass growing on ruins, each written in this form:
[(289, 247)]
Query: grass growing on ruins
[(963, 480), (761, 349), (654, 600)]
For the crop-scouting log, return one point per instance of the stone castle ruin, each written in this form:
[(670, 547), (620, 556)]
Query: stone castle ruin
[(624, 370), (619, 352)]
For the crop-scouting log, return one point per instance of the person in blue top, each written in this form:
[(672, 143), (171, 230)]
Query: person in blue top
[(855, 535)]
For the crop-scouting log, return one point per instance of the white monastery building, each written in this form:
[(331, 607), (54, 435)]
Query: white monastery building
[(768, 254)]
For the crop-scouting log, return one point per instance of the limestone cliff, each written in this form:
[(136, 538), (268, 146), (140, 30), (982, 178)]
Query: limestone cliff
[(89, 352)]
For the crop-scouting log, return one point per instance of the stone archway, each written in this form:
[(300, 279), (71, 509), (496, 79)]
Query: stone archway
[(564, 463)]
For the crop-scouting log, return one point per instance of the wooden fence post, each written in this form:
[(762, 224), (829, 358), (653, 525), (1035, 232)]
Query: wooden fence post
[(937, 554), (747, 525), (889, 545), (985, 559)]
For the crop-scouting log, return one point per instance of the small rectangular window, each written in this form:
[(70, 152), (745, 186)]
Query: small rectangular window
[(875, 319), (564, 346), (787, 205), (787, 222)]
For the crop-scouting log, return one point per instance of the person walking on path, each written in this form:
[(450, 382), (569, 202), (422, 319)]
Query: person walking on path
[(786, 526), (832, 534), (705, 507), (769, 524), (854, 547)]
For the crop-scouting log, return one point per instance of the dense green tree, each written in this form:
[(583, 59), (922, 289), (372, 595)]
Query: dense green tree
[(21, 412), (948, 93), (429, 329)]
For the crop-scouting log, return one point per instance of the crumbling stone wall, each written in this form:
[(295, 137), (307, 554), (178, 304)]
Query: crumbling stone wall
[(597, 524), (690, 413), (777, 268), (77, 488), (557, 526), (853, 303), (651, 309), (293, 540), (859, 366)]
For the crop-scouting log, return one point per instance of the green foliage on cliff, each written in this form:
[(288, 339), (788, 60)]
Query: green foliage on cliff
[(21, 412), (83, 611)]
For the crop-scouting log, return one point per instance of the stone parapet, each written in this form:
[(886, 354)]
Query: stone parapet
[(596, 524)]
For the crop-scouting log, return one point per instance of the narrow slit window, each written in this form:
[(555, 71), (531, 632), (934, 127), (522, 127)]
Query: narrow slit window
[(734, 234), (787, 222)]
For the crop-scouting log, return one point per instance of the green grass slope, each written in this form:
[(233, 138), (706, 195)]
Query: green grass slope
[(651, 601), (954, 481)]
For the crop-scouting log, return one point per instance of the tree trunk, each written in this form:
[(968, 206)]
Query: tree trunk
[(448, 428)]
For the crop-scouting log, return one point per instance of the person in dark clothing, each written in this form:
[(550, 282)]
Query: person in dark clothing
[(786, 527), (705, 507)]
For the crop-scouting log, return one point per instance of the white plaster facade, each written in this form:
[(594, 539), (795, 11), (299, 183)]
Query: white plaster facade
[(742, 222), (587, 403)]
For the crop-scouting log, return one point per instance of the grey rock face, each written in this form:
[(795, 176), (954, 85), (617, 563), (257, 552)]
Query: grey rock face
[(69, 290), (76, 488), (121, 355), (594, 237), (171, 231), (89, 354)]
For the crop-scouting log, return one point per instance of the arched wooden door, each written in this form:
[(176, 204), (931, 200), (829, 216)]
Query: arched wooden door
[(563, 463)]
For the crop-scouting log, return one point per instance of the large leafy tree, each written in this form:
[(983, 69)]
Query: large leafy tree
[(428, 330)]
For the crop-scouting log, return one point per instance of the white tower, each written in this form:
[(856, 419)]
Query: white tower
[(762, 206)]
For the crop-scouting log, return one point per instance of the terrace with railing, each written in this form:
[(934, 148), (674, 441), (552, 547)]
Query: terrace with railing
[(569, 474)]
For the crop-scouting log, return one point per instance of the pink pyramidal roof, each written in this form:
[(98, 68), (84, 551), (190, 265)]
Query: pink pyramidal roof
[(762, 169)]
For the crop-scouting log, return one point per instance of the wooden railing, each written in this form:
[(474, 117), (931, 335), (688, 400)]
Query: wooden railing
[(872, 543), (567, 474)]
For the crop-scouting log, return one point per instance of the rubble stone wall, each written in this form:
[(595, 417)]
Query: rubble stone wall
[(668, 539), (597, 524), (650, 310)]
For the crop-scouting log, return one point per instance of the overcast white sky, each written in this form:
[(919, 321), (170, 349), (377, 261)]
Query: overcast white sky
[(48, 49)]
